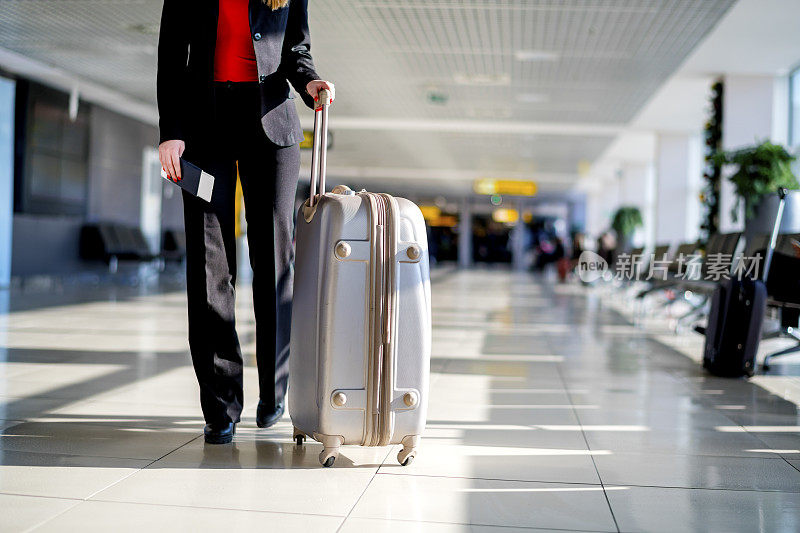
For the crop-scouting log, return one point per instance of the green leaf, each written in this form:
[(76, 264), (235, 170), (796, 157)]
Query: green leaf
[(760, 170)]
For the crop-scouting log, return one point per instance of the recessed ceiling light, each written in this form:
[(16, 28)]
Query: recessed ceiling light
[(532, 98), (535, 55), (482, 79)]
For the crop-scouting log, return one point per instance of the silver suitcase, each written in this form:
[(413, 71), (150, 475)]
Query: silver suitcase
[(361, 319)]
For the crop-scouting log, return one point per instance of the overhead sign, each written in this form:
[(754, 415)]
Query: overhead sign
[(508, 187), (507, 216), (435, 218), (444, 221), (430, 212), (308, 140)]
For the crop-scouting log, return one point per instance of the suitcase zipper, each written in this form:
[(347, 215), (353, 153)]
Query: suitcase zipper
[(373, 362), (387, 317), (378, 431)]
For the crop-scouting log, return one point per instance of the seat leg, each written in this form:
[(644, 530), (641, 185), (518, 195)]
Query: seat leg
[(793, 333)]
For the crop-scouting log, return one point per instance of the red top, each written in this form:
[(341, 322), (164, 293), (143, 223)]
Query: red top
[(234, 58)]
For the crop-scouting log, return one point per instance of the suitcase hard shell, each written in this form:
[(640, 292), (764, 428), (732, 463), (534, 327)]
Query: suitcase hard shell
[(361, 319), (734, 327), (736, 316)]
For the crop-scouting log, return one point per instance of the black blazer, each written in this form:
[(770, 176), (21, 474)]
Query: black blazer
[(186, 47)]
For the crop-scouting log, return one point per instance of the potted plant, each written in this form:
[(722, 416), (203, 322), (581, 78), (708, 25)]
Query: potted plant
[(761, 170), (625, 222)]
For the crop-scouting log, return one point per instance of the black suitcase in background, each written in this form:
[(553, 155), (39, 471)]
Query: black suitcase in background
[(734, 327), (737, 312)]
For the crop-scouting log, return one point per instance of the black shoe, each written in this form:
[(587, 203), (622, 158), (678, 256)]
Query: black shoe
[(266, 417), (221, 433)]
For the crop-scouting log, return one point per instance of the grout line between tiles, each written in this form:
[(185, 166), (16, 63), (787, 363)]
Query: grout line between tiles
[(480, 524), (46, 520), (755, 435), (140, 469), (493, 479), (212, 508), (148, 460), (88, 498), (588, 446), (79, 501), (4, 493), (365, 489), (722, 489)]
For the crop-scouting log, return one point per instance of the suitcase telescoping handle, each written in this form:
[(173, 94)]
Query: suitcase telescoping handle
[(319, 152), (773, 240)]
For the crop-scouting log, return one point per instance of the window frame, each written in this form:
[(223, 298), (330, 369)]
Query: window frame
[(26, 201), (794, 84)]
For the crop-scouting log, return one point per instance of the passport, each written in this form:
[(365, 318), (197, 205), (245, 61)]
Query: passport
[(194, 180)]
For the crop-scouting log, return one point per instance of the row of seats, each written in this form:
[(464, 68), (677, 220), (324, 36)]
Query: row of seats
[(678, 269), (112, 242), (783, 280)]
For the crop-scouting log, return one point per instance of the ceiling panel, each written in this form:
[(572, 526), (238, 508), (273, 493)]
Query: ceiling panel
[(564, 61)]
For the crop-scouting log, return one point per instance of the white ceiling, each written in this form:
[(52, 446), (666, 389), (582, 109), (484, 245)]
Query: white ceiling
[(754, 38), (532, 88)]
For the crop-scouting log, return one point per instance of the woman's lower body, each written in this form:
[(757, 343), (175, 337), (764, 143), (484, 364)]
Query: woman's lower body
[(268, 175)]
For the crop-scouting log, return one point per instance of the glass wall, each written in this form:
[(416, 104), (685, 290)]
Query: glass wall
[(54, 174), (794, 108), (6, 173)]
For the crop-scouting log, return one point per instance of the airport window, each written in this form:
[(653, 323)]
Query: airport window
[(54, 172), (794, 108)]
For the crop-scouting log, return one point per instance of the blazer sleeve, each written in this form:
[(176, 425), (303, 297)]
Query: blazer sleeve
[(296, 62), (173, 52)]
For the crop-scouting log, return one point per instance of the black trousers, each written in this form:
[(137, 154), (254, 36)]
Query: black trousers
[(268, 174)]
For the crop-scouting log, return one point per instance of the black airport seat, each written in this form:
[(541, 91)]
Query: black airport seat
[(719, 255), (173, 245), (107, 241)]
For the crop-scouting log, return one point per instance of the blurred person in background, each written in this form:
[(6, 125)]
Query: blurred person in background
[(227, 107), (578, 246), (606, 245)]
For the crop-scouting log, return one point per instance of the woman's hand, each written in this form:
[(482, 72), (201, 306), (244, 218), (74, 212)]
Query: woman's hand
[(169, 153), (314, 87)]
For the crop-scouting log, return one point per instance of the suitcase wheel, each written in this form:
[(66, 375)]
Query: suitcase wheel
[(406, 457), (328, 456), (298, 436), (330, 450)]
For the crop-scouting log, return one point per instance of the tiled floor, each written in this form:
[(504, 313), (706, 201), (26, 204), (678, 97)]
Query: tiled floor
[(548, 409)]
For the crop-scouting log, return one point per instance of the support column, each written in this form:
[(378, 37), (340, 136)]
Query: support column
[(7, 91), (679, 170), (637, 188), (576, 215), (465, 234), (601, 202), (755, 108)]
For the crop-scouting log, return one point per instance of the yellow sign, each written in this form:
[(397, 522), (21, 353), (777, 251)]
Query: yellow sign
[(509, 187), (484, 186), (444, 221), (430, 212), (508, 216), (308, 140)]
